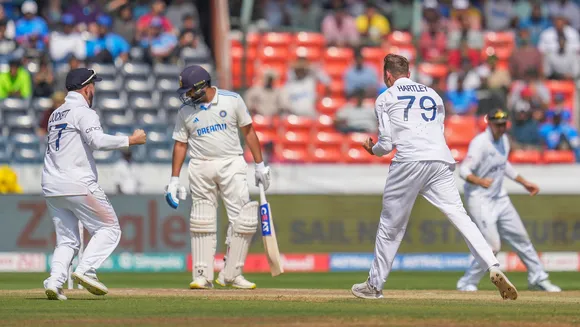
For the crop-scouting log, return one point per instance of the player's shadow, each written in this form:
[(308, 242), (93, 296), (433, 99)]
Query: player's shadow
[(69, 299)]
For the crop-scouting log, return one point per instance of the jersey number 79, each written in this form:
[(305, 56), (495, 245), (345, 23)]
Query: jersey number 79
[(411, 98)]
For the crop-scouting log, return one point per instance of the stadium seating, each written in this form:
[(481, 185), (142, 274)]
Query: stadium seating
[(525, 157), (459, 130), (558, 157)]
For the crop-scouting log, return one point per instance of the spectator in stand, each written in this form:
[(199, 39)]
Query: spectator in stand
[(464, 42), (402, 15), (524, 131), (43, 81), (306, 16), (471, 78), (265, 98), (525, 57), (66, 43), (125, 25), (126, 175), (178, 9), (85, 12), (540, 94), (356, 118), (9, 181), (433, 39), (461, 101), (361, 76), (106, 46), (494, 78), (141, 8), (300, 89), (499, 14), (567, 9), (9, 49), (188, 41), (57, 101), (158, 45), (372, 26), (157, 10), (10, 27), (31, 30), (462, 10), (535, 24), (339, 28), (277, 13), (15, 82), (189, 23), (560, 106), (549, 39), (560, 135), (432, 16), (563, 64), (61, 72)]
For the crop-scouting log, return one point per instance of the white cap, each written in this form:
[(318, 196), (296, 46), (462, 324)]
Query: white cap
[(29, 7), (430, 4), (460, 4)]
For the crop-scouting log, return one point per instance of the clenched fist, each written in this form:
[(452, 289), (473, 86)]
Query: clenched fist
[(138, 137)]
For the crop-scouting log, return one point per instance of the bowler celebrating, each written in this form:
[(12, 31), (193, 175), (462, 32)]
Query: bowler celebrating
[(411, 119), (489, 204), (207, 129), (69, 184)]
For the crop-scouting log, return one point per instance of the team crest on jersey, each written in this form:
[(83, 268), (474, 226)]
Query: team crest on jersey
[(223, 114)]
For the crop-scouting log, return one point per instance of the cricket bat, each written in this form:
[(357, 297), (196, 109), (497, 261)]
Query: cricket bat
[(269, 235)]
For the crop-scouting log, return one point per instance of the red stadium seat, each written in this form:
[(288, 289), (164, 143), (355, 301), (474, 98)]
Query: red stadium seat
[(324, 123), (495, 39), (265, 123), (312, 40), (311, 54), (481, 123), (336, 69), (400, 38), (409, 52), (279, 67), (334, 54), (460, 130), (373, 54), (292, 153), (501, 52), (459, 153), (566, 88), (558, 157), (276, 39), (253, 40), (269, 53), (297, 123), (358, 155), (329, 138), (356, 139), (433, 70), (237, 54), (295, 138), (336, 88), (267, 136), (329, 106), (525, 157), (327, 154)]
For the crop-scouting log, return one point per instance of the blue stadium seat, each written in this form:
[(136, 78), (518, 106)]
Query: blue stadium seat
[(196, 56), (106, 71), (108, 102), (139, 153), (137, 54), (15, 104), (12, 120), (167, 70), (109, 85), (139, 85), (159, 153), (25, 140), (170, 100), (131, 69), (15, 131), (106, 156), (165, 84), (41, 104), (155, 138), (27, 156)]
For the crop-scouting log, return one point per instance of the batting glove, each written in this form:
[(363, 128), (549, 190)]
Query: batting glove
[(262, 175), (174, 192)]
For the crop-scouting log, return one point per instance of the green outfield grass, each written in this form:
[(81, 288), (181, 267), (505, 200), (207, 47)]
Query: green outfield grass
[(411, 299)]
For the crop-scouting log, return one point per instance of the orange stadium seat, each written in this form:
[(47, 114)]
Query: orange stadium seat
[(267, 136), (253, 40), (311, 54), (291, 153), (358, 155), (400, 38), (277, 39), (459, 130), (264, 123), (335, 54), (270, 53), (459, 153), (566, 88), (374, 56), (481, 123), (311, 40), (327, 154), (336, 88), (433, 70), (525, 156), (329, 106), (356, 139), (502, 52), (237, 54), (329, 138), (493, 39), (295, 138), (336, 70), (279, 67), (296, 123), (558, 157), (324, 123)]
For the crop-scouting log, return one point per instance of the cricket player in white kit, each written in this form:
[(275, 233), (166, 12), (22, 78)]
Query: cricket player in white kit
[(489, 204), (411, 119), (69, 184), (207, 128)]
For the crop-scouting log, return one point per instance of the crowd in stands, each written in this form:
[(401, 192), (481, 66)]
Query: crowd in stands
[(521, 55)]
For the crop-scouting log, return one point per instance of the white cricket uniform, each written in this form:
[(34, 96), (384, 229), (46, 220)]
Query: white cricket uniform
[(217, 163), (411, 119), (69, 184), (491, 208)]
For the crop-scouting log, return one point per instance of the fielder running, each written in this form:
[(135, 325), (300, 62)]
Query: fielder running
[(489, 204), (411, 119), (69, 184), (207, 128)]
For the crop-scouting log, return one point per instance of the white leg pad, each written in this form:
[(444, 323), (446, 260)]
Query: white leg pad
[(203, 227), (240, 235)]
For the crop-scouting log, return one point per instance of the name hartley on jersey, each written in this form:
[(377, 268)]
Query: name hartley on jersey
[(210, 129)]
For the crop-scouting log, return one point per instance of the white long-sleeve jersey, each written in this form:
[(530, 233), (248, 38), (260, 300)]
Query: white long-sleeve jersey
[(411, 119), (487, 158), (74, 131)]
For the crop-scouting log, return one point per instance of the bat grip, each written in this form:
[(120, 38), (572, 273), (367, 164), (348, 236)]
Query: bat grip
[(262, 194)]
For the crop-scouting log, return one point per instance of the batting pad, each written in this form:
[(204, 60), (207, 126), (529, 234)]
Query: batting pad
[(203, 227), (241, 232)]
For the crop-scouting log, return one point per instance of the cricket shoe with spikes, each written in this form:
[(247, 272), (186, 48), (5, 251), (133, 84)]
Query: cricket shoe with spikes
[(53, 292), (366, 291), (90, 281), (239, 282), (546, 286), (506, 289), (201, 283)]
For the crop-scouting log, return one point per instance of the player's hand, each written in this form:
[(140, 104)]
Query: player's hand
[(485, 182), (532, 188), (174, 192), (138, 137), (368, 145), (263, 176)]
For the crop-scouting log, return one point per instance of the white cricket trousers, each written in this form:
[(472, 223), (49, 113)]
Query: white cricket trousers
[(95, 212), (434, 180), (497, 218)]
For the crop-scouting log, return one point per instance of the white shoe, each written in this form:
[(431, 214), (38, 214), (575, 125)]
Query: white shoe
[(91, 283), (506, 289), (200, 283), (468, 288), (366, 291), (545, 286), (239, 282), (53, 292)]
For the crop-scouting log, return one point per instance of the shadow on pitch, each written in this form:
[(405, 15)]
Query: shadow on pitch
[(69, 299)]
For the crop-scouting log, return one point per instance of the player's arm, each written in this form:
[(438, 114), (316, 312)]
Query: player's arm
[(384, 144), (253, 143), (174, 191), (92, 133), (512, 174), (470, 164)]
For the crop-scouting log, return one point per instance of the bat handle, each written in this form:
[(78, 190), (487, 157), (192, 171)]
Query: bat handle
[(262, 194)]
